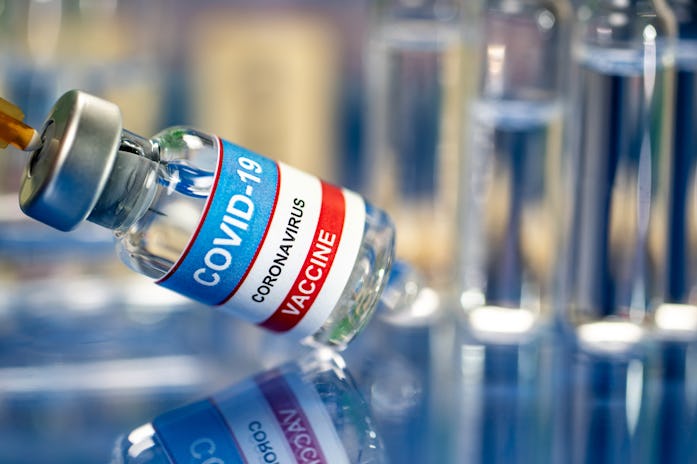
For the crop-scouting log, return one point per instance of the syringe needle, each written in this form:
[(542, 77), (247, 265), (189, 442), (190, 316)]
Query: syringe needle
[(14, 131)]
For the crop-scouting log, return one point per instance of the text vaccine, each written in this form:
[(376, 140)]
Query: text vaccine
[(308, 412), (214, 221)]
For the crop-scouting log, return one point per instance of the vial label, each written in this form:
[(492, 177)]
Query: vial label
[(272, 418), (274, 245)]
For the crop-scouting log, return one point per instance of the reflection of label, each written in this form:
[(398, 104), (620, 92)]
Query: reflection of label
[(274, 244), (272, 418)]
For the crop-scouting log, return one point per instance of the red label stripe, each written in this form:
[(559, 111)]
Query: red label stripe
[(317, 265), (291, 417)]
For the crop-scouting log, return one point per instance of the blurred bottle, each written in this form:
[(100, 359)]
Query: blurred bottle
[(416, 85), (676, 314), (511, 178), (622, 115), (306, 411), (510, 207), (675, 318)]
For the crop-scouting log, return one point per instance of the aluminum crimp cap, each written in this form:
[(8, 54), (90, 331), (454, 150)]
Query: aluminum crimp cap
[(65, 177)]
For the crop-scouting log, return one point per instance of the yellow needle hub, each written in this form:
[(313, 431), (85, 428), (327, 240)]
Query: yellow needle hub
[(14, 131)]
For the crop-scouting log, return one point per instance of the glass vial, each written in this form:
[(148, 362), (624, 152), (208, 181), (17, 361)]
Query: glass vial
[(214, 221), (511, 186), (621, 155), (309, 411), (415, 87), (677, 316)]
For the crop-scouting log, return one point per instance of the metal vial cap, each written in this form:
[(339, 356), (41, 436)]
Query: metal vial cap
[(65, 177)]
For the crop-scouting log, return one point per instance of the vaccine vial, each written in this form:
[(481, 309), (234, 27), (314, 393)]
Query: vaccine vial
[(304, 412), (213, 221)]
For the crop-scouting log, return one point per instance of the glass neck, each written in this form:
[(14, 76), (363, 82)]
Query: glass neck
[(626, 6), (625, 23), (686, 17), (657, 6), (434, 10), (131, 186)]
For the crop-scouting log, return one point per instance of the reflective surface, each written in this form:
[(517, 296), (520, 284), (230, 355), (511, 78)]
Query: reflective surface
[(552, 399), (88, 350), (84, 359)]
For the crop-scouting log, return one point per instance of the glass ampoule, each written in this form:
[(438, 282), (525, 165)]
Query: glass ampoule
[(214, 221), (416, 83), (511, 189), (622, 118), (308, 411), (679, 306), (675, 319)]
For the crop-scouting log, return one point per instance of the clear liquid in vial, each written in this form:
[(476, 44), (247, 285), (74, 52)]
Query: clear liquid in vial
[(618, 234), (515, 151), (185, 177), (681, 270)]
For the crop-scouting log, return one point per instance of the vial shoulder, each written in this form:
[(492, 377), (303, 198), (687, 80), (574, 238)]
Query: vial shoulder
[(140, 446), (622, 28), (188, 159), (185, 143), (541, 11), (368, 277)]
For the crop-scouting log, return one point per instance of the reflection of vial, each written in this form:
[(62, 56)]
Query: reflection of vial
[(301, 412), (214, 221)]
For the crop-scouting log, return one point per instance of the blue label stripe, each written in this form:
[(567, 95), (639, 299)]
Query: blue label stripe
[(231, 232), (263, 238), (195, 433)]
